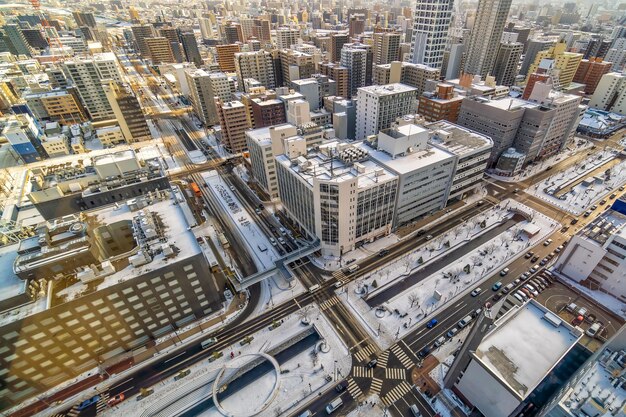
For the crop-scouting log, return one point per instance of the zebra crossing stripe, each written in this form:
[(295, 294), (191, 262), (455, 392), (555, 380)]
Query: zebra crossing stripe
[(404, 358), (396, 393), (362, 372), (364, 353), (329, 303), (383, 358), (72, 413), (376, 385), (354, 389), (395, 373)]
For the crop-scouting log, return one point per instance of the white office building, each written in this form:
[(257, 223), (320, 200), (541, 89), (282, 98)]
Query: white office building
[(337, 193), (378, 106), (204, 88), (431, 22)]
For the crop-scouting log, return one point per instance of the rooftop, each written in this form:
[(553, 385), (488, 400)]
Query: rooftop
[(524, 346), (410, 161), (604, 226), (388, 89), (457, 139)]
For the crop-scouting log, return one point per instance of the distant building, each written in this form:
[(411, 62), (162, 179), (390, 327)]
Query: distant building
[(566, 62), (506, 63), (141, 33)]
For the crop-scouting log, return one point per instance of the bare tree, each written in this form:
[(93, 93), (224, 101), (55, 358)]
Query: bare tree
[(413, 298), (407, 263)]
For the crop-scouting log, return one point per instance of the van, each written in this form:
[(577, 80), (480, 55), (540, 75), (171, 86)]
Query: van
[(334, 405), (415, 411), (464, 321), (592, 331), (314, 288), (352, 268)]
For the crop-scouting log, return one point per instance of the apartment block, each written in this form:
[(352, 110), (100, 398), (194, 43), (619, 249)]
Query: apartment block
[(226, 56), (258, 65), (204, 88), (379, 106), (590, 71), (566, 62), (610, 94), (441, 104), (234, 122), (128, 112), (407, 73)]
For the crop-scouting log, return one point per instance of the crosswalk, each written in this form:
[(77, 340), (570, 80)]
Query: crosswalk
[(383, 359), (340, 276), (329, 303), (364, 354), (354, 389), (395, 373), (402, 356), (362, 372), (100, 405), (73, 412), (376, 386), (396, 393)]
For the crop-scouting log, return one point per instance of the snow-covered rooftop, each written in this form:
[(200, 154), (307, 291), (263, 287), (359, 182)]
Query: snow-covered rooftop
[(10, 284), (409, 162), (525, 345)]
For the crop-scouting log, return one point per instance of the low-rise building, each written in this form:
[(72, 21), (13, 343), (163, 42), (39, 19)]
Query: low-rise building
[(441, 104), (110, 136)]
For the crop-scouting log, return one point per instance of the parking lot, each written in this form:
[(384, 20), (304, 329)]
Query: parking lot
[(557, 296)]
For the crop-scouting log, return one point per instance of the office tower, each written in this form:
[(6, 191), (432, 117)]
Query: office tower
[(507, 60), (334, 197), (141, 33), (226, 56), (442, 104), (296, 65), (379, 106), (485, 37), (232, 33), (258, 28), (127, 111), (337, 40), (431, 22), (590, 71), (190, 47), (35, 38), (610, 94), (354, 57), (84, 19), (16, 42), (386, 47), (204, 88), (206, 30), (160, 50), (534, 47), (285, 37), (87, 75), (407, 73), (617, 54), (234, 123), (558, 58), (168, 32), (339, 74), (257, 65)]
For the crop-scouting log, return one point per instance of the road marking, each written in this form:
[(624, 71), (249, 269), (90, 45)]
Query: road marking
[(395, 373), (180, 354), (121, 383), (329, 303), (354, 389), (376, 386), (362, 372), (383, 358), (403, 357), (396, 393), (363, 354)]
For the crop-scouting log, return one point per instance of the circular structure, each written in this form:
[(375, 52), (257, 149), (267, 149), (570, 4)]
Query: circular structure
[(240, 361)]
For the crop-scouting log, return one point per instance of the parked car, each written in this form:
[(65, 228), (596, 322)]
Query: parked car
[(496, 286), (372, 363), (532, 289), (341, 387), (452, 332), (529, 255), (424, 352), (559, 249), (547, 242), (504, 272), (534, 259)]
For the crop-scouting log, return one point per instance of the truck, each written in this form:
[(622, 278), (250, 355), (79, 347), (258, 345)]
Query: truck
[(196, 190)]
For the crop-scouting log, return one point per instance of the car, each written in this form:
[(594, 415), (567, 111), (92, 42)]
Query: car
[(593, 329), (480, 203), (439, 342), (534, 259), (273, 241), (88, 403), (508, 288), (432, 323), (551, 255), (587, 213), (476, 312), (504, 272), (306, 413), (116, 399), (547, 242), (559, 249), (496, 286), (496, 297), (372, 363), (612, 196), (543, 261), (338, 284), (525, 275), (421, 232), (429, 237), (232, 188), (539, 286), (594, 207), (452, 332), (534, 269), (532, 289), (424, 352), (574, 221), (182, 374), (415, 411), (577, 320), (517, 281), (564, 229), (476, 292), (527, 292), (257, 210), (515, 191), (518, 297), (383, 252), (341, 387), (621, 188), (529, 255), (603, 201), (281, 241)]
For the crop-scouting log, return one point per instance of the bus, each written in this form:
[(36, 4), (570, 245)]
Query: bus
[(195, 189)]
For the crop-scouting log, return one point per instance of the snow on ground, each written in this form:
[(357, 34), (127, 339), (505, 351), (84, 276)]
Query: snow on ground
[(370, 407), (445, 399), (581, 197), (419, 301), (276, 290), (306, 376)]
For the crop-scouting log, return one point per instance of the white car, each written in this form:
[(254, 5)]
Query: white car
[(476, 292)]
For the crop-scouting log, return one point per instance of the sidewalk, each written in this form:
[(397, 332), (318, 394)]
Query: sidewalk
[(55, 398)]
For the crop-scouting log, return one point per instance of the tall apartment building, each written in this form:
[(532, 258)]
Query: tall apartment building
[(566, 62), (232, 33), (590, 71), (506, 63), (286, 36), (267, 112), (610, 94), (160, 50), (379, 106), (88, 75), (532, 49), (485, 37), (226, 56), (339, 74), (257, 27), (190, 48), (84, 19), (441, 104), (431, 22), (141, 33), (204, 88), (258, 65), (617, 54), (127, 111), (337, 40), (386, 46), (136, 274), (206, 28), (296, 65), (337, 194), (314, 89), (407, 73), (234, 122), (354, 56), (15, 40)]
